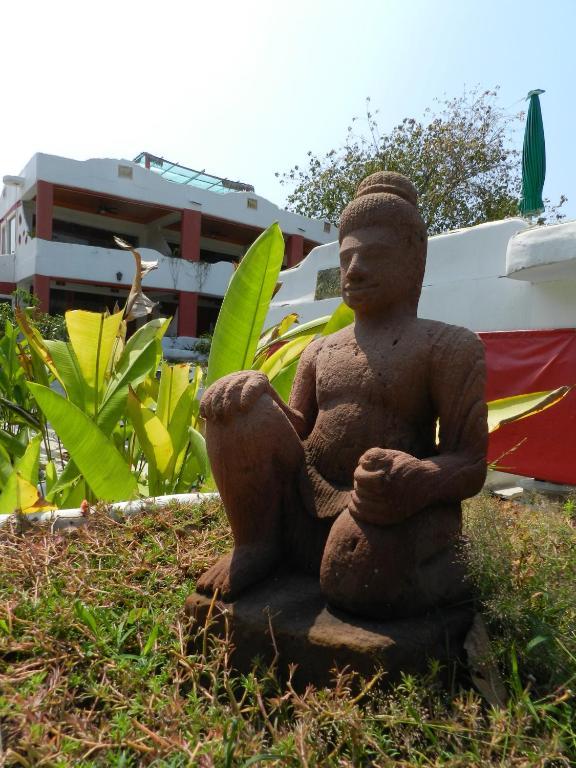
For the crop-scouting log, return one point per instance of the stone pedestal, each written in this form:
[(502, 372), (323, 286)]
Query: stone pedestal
[(288, 617)]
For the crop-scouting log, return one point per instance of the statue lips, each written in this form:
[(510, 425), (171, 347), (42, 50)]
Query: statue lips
[(360, 288)]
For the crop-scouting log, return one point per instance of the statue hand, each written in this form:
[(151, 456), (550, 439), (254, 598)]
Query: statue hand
[(233, 394), (383, 484)]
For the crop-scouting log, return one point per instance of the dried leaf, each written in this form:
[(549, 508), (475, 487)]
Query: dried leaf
[(481, 664), (137, 304)]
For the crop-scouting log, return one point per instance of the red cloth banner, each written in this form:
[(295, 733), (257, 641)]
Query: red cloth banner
[(520, 362)]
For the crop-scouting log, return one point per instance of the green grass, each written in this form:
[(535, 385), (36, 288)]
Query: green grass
[(94, 669)]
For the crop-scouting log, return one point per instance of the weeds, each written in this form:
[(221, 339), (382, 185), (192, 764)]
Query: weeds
[(95, 670), (523, 563)]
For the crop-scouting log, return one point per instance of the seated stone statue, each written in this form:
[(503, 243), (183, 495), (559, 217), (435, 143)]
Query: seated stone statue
[(349, 481)]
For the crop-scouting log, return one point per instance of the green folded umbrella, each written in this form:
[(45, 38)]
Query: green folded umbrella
[(533, 159)]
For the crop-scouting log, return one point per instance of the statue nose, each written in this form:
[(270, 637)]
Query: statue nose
[(356, 271)]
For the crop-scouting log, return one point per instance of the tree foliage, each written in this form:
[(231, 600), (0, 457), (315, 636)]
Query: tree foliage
[(461, 158)]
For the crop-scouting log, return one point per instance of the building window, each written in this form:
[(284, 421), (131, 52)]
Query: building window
[(251, 202), (81, 234), (124, 172), (328, 284), (3, 238), (10, 235)]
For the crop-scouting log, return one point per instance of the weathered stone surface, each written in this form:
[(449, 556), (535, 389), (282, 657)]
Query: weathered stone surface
[(318, 639)]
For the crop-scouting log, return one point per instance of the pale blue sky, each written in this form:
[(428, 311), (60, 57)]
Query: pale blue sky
[(244, 89)]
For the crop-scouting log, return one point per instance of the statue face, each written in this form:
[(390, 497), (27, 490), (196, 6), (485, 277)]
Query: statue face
[(379, 269)]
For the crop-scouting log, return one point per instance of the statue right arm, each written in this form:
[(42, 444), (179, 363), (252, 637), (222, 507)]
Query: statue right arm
[(303, 403)]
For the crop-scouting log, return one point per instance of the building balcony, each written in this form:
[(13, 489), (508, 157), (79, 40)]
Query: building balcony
[(113, 267)]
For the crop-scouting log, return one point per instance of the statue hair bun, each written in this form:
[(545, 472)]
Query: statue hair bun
[(390, 183)]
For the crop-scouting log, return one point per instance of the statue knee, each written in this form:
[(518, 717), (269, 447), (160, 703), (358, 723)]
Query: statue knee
[(233, 395)]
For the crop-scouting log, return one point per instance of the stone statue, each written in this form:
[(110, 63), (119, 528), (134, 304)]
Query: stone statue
[(349, 482)]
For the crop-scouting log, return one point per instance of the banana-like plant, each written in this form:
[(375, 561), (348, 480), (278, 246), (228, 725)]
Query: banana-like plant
[(174, 450), (95, 369)]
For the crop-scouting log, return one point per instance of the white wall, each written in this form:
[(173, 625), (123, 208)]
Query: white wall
[(7, 268), (543, 254), (466, 280)]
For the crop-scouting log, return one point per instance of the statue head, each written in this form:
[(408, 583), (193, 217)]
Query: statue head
[(383, 244)]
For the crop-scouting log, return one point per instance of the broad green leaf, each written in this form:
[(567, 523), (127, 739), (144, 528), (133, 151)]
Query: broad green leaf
[(509, 409), (282, 383), (174, 380), (286, 355), (340, 318), (6, 467), (196, 382), (179, 429), (68, 477), (270, 334), (13, 446), (75, 495), (66, 363), (51, 476), (36, 342), (103, 468), (92, 336), (195, 385), (21, 495), (147, 391), (139, 359), (28, 464), (118, 347), (196, 464), (40, 372), (154, 330), (245, 306), (317, 326), (152, 435)]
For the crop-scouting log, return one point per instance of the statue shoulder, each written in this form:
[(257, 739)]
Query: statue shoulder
[(311, 352), (334, 340), (446, 339)]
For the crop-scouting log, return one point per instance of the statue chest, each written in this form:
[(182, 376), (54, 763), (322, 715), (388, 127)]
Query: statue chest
[(382, 376)]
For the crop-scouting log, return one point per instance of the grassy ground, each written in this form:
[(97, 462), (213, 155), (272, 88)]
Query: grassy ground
[(94, 669)]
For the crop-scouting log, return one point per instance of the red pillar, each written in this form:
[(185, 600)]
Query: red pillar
[(187, 313), (44, 209), (294, 250), (190, 226), (41, 288)]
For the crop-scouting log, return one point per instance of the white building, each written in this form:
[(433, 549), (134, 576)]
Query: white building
[(59, 216)]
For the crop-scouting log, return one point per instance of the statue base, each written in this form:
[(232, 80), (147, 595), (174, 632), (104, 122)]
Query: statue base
[(286, 620)]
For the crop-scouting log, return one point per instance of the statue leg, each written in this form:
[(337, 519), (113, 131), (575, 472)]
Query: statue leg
[(405, 569), (256, 458)]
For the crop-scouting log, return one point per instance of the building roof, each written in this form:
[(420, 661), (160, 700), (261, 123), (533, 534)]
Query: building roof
[(184, 175)]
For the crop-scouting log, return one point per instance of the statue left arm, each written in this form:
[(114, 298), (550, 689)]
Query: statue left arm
[(390, 485)]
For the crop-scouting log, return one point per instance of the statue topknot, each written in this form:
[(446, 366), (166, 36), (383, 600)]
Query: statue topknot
[(390, 183), (381, 197)]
